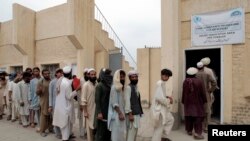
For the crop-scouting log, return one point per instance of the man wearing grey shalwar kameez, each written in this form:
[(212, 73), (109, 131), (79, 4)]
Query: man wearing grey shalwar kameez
[(116, 112)]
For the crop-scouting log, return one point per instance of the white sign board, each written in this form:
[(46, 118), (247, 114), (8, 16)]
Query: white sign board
[(218, 28)]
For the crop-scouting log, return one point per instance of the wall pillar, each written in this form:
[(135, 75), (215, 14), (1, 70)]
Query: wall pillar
[(170, 50), (82, 32), (24, 33)]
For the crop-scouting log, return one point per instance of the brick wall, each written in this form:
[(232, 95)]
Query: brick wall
[(241, 85), (241, 112)]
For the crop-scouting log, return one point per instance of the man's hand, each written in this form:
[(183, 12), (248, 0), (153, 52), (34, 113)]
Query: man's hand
[(10, 99), (78, 88), (171, 99), (121, 117), (81, 108), (100, 116), (22, 104), (86, 115), (131, 117), (50, 109)]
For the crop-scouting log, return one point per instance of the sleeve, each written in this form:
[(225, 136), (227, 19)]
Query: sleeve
[(50, 93), (19, 92), (213, 83), (127, 100), (10, 88), (69, 93), (84, 94), (211, 73), (98, 98), (160, 98), (113, 98), (30, 95), (203, 92), (39, 88), (184, 90)]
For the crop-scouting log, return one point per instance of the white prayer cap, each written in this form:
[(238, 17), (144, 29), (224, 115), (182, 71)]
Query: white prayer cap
[(132, 72), (200, 65), (192, 71), (85, 70), (206, 61), (91, 69), (67, 69)]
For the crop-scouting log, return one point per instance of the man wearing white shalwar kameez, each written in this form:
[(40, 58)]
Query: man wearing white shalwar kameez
[(8, 99), (14, 94), (116, 112), (64, 113), (24, 88), (80, 116), (2, 89), (163, 119), (52, 98), (88, 103)]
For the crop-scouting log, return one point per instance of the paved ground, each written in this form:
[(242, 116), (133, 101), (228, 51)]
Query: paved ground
[(14, 132)]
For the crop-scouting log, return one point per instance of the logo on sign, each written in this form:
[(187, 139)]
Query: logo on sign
[(236, 13), (197, 19)]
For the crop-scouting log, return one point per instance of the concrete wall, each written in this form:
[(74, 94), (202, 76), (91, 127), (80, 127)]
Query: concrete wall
[(24, 33), (6, 29), (66, 34), (149, 66), (54, 19), (101, 60), (236, 68), (56, 50), (10, 56), (155, 70)]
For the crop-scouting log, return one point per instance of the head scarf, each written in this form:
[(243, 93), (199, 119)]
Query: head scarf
[(105, 77)]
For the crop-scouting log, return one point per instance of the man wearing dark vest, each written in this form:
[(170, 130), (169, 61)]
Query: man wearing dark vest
[(133, 108)]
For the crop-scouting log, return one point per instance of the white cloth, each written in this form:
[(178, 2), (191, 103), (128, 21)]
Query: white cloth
[(117, 99), (64, 109), (14, 88), (161, 104), (192, 71), (6, 93), (67, 69), (81, 118), (132, 72), (66, 130), (163, 119), (24, 92), (24, 119), (162, 131), (115, 125), (200, 65), (132, 133)]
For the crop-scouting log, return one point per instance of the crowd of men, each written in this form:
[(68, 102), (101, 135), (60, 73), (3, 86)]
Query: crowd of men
[(197, 97), (108, 107)]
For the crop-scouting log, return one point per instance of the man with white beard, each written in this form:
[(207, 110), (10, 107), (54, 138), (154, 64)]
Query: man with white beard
[(64, 114)]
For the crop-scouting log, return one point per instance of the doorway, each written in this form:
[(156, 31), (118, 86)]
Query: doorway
[(194, 55)]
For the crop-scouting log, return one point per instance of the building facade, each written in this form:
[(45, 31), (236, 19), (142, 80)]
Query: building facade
[(230, 61), (67, 34)]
